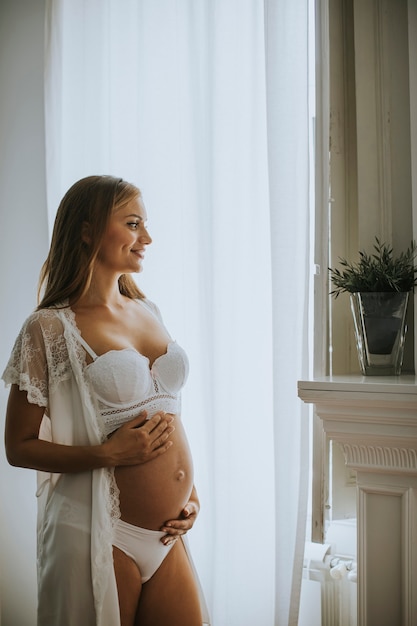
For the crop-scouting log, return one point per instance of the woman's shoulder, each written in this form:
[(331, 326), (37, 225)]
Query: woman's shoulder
[(152, 307), (44, 318), (44, 327), (39, 358)]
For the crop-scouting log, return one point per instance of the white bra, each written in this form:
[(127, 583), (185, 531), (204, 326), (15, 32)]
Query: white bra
[(124, 383)]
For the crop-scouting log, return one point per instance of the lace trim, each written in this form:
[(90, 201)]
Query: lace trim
[(36, 389), (56, 351), (39, 360), (112, 491), (103, 556), (138, 405), (71, 334), (59, 365)]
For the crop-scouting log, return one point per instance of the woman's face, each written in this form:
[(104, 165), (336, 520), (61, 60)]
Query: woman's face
[(125, 239)]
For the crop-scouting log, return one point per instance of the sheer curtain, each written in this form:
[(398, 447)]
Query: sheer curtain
[(204, 106)]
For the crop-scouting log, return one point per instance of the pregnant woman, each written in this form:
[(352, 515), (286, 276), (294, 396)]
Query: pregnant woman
[(94, 406)]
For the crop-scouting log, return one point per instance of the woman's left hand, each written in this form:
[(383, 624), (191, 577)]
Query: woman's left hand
[(177, 527)]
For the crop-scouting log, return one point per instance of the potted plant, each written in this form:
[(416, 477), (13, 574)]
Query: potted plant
[(379, 285)]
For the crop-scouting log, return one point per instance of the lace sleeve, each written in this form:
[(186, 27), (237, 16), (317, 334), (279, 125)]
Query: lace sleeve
[(39, 358)]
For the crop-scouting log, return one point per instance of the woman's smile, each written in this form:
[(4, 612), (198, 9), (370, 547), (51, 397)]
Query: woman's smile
[(125, 239)]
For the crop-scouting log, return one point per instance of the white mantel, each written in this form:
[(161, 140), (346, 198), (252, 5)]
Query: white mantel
[(374, 419)]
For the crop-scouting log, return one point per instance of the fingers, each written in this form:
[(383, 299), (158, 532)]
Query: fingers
[(159, 434), (176, 527), (136, 421), (179, 526), (159, 449), (172, 534), (158, 422), (157, 437), (140, 440), (167, 540), (175, 530), (155, 426)]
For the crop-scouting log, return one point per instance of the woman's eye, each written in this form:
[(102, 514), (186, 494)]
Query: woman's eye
[(133, 225)]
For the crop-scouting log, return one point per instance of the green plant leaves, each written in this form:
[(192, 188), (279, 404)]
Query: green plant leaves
[(380, 271)]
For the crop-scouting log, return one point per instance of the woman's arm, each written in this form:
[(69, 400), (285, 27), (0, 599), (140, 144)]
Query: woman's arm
[(138, 441)]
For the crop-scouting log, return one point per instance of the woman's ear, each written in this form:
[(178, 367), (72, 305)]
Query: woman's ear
[(85, 233)]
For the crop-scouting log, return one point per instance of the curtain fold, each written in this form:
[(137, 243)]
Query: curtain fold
[(287, 71), (203, 106)]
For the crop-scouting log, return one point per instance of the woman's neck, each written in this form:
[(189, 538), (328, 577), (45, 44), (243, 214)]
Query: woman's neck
[(102, 291)]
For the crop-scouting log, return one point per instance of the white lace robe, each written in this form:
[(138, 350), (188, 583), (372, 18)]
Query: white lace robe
[(76, 512)]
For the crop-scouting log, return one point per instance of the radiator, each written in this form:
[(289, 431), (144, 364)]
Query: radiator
[(329, 590)]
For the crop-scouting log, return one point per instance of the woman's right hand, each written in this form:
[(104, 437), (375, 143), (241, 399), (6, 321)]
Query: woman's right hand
[(141, 440)]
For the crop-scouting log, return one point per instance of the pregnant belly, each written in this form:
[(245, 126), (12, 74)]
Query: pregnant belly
[(157, 491)]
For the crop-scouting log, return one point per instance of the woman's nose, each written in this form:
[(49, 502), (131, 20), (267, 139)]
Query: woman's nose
[(145, 237)]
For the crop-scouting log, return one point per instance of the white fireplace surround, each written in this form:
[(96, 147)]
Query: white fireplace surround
[(374, 419)]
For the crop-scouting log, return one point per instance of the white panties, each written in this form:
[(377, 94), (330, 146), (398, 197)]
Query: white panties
[(142, 545)]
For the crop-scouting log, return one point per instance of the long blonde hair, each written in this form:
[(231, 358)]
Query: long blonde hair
[(67, 271)]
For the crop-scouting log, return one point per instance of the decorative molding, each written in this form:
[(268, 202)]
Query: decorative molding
[(380, 458), (371, 411)]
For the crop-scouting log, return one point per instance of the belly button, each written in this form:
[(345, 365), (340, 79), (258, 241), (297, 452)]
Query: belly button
[(180, 475)]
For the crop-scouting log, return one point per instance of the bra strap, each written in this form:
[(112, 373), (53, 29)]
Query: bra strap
[(86, 347)]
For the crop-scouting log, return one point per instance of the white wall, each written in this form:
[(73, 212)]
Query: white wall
[(23, 232)]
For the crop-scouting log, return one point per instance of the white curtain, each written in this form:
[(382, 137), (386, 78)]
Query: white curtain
[(289, 129), (204, 105)]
